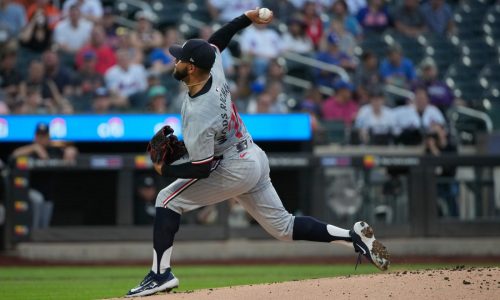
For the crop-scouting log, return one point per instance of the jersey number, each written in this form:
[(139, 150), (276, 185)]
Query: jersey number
[(235, 122)]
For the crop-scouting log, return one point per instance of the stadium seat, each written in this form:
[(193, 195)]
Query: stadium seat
[(480, 51), (443, 51), (491, 24), (412, 48), (463, 79), (467, 128), (491, 104), (375, 44), (490, 75), (469, 18), (169, 12)]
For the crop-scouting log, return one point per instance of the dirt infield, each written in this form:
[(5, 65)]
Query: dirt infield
[(456, 283)]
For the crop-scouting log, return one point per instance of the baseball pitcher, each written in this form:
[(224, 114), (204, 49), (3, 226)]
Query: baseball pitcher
[(224, 162)]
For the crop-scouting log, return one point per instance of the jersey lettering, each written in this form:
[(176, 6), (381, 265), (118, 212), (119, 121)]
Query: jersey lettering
[(224, 93), (235, 122)]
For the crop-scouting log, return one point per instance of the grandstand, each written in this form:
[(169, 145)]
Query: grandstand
[(465, 55)]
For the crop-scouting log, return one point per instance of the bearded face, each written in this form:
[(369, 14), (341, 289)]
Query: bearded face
[(180, 71)]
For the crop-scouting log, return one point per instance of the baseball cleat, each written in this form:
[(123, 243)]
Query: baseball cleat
[(154, 283), (365, 244)]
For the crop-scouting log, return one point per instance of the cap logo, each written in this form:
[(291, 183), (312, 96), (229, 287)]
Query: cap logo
[(191, 60)]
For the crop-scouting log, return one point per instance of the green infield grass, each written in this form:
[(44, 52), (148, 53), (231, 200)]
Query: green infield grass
[(97, 282)]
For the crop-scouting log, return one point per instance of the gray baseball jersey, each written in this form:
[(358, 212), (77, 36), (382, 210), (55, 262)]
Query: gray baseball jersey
[(212, 127)]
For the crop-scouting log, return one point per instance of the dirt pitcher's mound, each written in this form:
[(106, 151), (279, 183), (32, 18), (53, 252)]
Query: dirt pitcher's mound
[(457, 283)]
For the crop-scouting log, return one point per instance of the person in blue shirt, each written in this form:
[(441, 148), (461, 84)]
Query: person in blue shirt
[(332, 55), (397, 69)]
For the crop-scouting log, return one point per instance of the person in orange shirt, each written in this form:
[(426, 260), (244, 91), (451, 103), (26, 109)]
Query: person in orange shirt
[(50, 11)]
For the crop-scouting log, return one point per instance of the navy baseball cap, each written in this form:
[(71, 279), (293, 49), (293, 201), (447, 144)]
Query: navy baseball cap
[(42, 128), (196, 51)]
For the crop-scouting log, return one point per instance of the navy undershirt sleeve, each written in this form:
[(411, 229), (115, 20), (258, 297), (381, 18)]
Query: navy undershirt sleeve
[(223, 36)]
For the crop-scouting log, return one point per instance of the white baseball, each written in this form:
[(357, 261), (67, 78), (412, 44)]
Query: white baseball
[(264, 14)]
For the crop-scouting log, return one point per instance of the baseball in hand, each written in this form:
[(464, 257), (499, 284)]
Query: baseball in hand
[(264, 14)]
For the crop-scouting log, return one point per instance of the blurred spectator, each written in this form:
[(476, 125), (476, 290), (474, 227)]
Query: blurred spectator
[(226, 10), (37, 34), (146, 192), (125, 78), (89, 9), (409, 19), (62, 76), (105, 57), (332, 55), (47, 9), (157, 100), (438, 91), (282, 10), (262, 44), (367, 75), (72, 32), (312, 105), (108, 22), (32, 102), (4, 108), (340, 13), (125, 42), (438, 16), (374, 17), (87, 76), (40, 191), (244, 79), (396, 69), (145, 37), (314, 24), (36, 74), (261, 105), (341, 105), (437, 143), (12, 19), (10, 77), (101, 101), (347, 42), (413, 121), (355, 5), (160, 59), (375, 121), (276, 90), (313, 99), (271, 100), (227, 58), (87, 80), (276, 70), (296, 39)]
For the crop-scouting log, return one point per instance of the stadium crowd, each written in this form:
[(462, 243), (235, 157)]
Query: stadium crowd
[(77, 59)]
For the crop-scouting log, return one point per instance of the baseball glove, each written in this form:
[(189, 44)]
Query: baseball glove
[(165, 147)]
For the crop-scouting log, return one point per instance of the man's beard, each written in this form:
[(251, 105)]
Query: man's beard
[(180, 75)]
